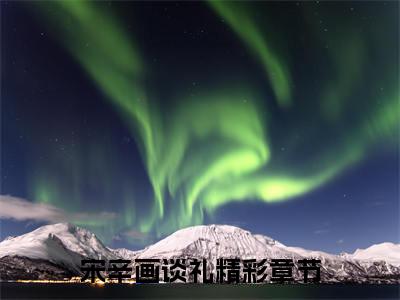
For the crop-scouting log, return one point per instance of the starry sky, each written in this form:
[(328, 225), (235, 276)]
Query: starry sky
[(137, 119)]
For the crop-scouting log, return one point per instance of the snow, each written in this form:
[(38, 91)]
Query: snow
[(388, 252), (211, 241), (124, 253), (216, 241), (61, 243), (312, 253), (66, 244)]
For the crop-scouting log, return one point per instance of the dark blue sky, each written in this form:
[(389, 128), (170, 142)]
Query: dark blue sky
[(64, 142)]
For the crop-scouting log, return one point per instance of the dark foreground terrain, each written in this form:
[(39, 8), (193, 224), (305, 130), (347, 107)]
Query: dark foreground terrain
[(187, 291)]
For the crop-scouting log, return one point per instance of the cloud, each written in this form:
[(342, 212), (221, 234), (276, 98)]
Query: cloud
[(321, 231), (341, 241), (23, 210)]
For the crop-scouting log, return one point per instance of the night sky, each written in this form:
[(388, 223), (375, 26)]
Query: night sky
[(137, 119)]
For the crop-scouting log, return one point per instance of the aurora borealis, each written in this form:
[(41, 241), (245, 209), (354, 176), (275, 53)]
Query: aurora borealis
[(167, 114)]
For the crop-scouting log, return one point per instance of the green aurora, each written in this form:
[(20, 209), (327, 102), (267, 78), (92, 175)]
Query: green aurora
[(225, 144)]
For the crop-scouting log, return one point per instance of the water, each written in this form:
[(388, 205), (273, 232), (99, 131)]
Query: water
[(191, 291)]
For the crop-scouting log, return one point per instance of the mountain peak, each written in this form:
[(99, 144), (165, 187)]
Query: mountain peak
[(65, 244), (61, 243), (215, 241), (214, 230), (58, 227), (386, 251)]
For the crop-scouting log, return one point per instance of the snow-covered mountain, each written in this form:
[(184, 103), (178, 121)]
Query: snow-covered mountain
[(65, 245), (124, 253), (388, 252), (214, 241)]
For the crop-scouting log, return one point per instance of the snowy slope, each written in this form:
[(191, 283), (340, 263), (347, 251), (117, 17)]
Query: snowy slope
[(223, 241), (124, 253), (214, 241), (65, 245), (61, 243), (388, 252)]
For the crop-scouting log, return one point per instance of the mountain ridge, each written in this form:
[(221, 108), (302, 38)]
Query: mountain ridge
[(65, 245)]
